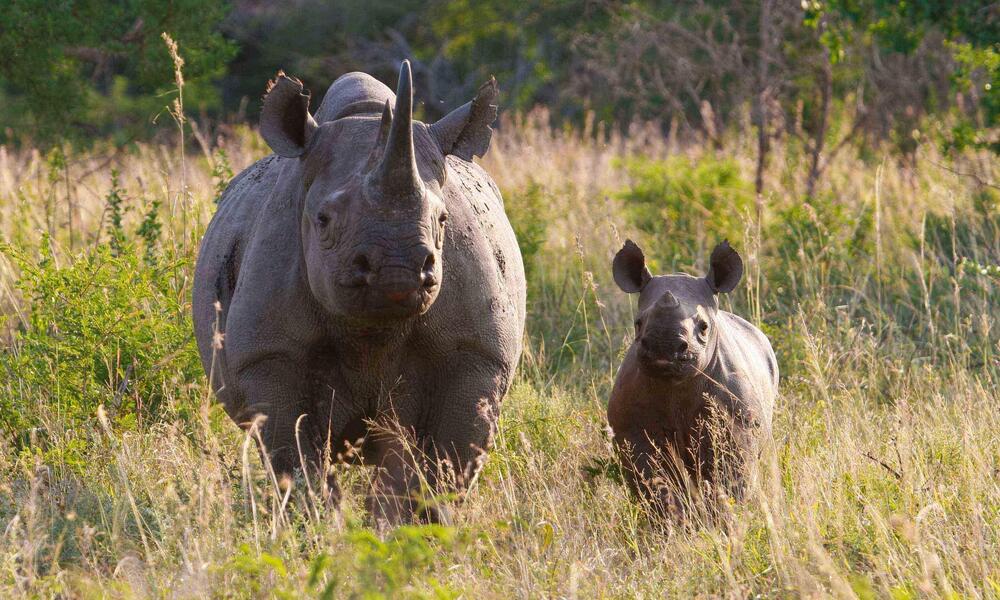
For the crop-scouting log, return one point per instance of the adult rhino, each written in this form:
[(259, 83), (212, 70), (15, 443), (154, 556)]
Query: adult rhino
[(365, 280)]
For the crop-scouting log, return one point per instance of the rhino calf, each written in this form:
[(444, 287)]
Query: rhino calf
[(695, 392)]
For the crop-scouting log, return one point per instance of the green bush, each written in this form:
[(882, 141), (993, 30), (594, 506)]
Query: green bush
[(527, 214), (106, 328), (818, 244), (399, 565), (685, 206)]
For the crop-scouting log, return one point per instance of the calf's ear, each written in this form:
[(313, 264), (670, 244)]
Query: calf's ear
[(725, 269), (285, 122), (465, 131), (629, 268)]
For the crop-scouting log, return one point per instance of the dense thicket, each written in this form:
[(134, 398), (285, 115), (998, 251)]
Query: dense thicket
[(832, 73)]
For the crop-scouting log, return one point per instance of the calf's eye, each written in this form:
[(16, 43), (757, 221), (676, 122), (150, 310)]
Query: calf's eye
[(323, 219), (703, 326)]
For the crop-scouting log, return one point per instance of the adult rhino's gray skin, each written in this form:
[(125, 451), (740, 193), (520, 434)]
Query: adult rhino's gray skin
[(694, 395), (364, 274)]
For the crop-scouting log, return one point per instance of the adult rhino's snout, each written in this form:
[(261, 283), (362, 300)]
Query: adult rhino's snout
[(401, 278)]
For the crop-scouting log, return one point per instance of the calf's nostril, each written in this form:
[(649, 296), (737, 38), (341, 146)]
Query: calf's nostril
[(682, 346)]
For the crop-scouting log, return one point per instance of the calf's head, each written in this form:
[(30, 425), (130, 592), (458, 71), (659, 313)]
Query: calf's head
[(370, 190), (676, 327)]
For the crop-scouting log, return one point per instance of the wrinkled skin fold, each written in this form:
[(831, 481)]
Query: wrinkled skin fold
[(693, 398), (363, 283)]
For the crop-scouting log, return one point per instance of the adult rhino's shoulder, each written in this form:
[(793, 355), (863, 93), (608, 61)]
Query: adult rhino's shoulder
[(473, 180), (249, 177)]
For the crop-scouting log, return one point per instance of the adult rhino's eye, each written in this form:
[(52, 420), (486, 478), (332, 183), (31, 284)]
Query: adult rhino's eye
[(703, 326), (443, 219), (323, 219), (638, 323)]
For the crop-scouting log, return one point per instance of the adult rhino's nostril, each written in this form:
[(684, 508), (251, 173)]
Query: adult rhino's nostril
[(427, 278), (362, 270)]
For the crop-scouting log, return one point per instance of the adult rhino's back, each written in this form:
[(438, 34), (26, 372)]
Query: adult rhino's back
[(222, 251)]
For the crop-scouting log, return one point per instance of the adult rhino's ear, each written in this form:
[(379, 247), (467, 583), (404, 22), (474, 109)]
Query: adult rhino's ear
[(725, 269), (465, 131), (285, 122), (629, 268)]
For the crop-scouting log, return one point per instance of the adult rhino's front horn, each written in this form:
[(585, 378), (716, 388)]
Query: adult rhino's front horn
[(394, 174)]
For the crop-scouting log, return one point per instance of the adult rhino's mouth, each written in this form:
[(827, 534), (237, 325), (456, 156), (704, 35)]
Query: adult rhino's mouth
[(377, 302)]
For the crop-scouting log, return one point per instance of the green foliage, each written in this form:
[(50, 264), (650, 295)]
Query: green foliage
[(361, 564), (540, 426), (685, 206), (149, 231), (103, 329), (222, 172), (526, 210), (970, 35), (824, 234), (256, 570), (456, 45), (978, 74), (114, 205), (400, 565), (74, 69)]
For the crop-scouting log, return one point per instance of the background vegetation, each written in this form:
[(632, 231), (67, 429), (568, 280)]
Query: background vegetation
[(855, 170)]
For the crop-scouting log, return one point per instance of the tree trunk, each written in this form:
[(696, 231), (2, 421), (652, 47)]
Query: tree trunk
[(763, 95), (819, 136)]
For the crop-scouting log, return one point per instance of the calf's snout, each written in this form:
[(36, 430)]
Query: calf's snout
[(670, 349)]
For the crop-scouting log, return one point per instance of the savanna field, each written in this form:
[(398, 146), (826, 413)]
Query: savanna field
[(120, 477)]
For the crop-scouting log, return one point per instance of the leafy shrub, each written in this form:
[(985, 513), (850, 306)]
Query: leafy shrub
[(972, 232), (817, 242), (115, 206), (362, 565), (104, 329), (527, 214), (682, 204)]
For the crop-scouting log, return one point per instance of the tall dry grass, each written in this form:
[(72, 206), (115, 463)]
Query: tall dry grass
[(881, 480)]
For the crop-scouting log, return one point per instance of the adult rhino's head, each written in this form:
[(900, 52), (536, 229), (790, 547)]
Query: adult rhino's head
[(370, 191), (676, 329)]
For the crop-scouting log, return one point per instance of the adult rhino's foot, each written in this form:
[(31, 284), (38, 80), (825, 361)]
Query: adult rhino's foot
[(390, 511)]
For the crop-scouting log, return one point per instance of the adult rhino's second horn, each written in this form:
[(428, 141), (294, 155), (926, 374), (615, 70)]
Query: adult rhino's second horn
[(396, 176)]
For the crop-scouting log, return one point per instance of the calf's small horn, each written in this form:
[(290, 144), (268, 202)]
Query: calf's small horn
[(668, 300)]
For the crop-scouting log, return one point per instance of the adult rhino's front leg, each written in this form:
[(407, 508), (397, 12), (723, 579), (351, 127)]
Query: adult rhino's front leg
[(429, 447), (277, 390), (464, 406)]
